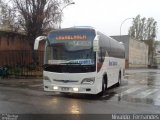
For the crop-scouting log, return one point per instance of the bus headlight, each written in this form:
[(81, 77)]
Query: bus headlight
[(88, 81), (55, 88), (46, 78), (75, 89)]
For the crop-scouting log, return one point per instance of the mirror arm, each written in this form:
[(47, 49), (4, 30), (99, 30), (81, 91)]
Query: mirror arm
[(96, 43), (37, 40)]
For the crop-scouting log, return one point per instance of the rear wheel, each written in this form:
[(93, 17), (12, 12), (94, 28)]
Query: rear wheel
[(119, 79)]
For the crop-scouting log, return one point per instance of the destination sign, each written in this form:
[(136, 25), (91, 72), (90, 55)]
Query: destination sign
[(72, 37), (66, 36)]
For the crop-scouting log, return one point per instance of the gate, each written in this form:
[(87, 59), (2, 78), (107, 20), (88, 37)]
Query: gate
[(21, 64)]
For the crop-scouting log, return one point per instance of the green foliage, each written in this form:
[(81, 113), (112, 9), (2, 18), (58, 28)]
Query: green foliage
[(31, 66), (20, 69), (157, 44), (143, 28)]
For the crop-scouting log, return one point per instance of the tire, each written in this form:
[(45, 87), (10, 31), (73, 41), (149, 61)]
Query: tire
[(104, 86), (119, 80)]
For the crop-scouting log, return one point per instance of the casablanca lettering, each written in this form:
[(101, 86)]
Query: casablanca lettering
[(74, 37)]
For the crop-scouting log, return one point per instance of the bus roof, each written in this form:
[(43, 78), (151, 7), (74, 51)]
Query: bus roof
[(76, 28)]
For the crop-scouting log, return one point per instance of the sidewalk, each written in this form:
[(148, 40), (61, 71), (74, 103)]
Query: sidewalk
[(36, 84), (141, 70)]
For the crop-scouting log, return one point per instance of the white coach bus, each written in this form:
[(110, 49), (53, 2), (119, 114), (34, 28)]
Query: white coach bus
[(81, 60)]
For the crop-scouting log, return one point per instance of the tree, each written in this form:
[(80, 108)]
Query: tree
[(7, 16), (143, 29), (151, 27), (36, 17)]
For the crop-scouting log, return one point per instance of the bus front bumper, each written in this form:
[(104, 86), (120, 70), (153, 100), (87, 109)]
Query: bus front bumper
[(84, 89)]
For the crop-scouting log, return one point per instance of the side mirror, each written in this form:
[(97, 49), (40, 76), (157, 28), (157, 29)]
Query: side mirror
[(96, 44), (37, 40)]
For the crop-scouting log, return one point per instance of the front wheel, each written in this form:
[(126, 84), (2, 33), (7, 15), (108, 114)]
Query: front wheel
[(104, 87)]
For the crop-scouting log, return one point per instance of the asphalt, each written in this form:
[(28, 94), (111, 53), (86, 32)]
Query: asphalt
[(37, 84)]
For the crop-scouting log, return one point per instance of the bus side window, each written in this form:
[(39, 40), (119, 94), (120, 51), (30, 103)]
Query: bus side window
[(101, 57)]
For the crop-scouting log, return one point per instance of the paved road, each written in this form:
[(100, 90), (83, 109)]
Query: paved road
[(139, 93), (22, 101)]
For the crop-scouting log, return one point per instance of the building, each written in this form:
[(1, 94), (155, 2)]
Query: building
[(156, 56), (136, 52)]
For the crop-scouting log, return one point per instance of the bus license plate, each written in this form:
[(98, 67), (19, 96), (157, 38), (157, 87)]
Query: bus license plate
[(65, 89)]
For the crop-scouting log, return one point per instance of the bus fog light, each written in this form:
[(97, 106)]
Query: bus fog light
[(75, 89), (55, 88), (88, 81)]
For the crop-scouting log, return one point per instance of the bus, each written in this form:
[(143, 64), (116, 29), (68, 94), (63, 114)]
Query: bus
[(81, 60)]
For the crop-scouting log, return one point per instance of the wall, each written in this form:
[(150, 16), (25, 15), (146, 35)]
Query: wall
[(16, 50), (13, 41), (138, 54)]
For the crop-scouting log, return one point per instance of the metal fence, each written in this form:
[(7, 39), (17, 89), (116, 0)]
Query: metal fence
[(21, 64)]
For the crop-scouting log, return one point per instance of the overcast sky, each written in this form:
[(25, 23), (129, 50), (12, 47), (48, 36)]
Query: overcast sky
[(107, 15)]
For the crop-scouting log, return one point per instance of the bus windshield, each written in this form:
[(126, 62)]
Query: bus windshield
[(71, 56), (59, 54)]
